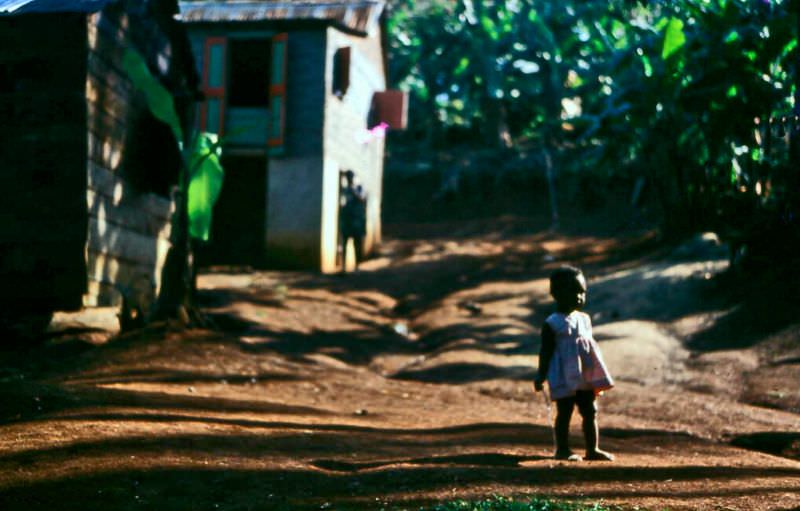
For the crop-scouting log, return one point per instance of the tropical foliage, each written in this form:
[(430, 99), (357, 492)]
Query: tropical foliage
[(199, 185), (201, 177), (695, 96)]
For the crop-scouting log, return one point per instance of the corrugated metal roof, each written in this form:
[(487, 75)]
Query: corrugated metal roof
[(358, 15), (44, 6)]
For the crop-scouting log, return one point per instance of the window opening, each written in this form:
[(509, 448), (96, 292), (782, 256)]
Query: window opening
[(249, 73)]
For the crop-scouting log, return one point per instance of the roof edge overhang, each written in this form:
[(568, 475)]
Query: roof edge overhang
[(18, 7), (359, 17)]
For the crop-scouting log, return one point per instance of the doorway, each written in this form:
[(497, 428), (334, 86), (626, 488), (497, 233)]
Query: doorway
[(238, 227)]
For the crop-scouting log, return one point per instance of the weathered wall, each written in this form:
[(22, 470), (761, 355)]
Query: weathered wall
[(306, 89), (329, 228), (294, 180), (129, 225), (42, 162), (324, 134), (294, 212), (294, 215), (347, 143)]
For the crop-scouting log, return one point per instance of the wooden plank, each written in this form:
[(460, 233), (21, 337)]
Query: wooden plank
[(113, 133), (21, 51), (113, 28), (109, 39), (106, 56), (51, 178), (101, 294), (107, 29), (102, 123), (106, 153), (43, 97), (64, 130), (56, 104), (29, 149), (108, 278), (129, 215), (23, 292), (109, 185), (42, 275), (108, 74), (107, 99), (117, 136), (103, 131), (55, 229), (109, 239), (107, 142), (100, 117), (120, 273), (43, 71), (43, 33), (24, 167), (102, 100), (34, 199), (41, 256)]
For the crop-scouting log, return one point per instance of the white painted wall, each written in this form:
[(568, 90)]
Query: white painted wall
[(346, 141), (294, 211)]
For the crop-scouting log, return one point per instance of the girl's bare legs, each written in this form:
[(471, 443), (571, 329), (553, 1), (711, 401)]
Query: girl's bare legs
[(564, 409), (588, 410)]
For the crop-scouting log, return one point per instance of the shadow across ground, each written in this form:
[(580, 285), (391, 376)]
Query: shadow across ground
[(226, 488), (786, 444)]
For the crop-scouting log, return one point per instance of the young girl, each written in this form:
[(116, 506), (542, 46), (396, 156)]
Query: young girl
[(570, 361)]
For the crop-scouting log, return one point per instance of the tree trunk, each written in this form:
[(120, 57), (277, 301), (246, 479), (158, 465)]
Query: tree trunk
[(551, 188), (495, 128), (172, 300)]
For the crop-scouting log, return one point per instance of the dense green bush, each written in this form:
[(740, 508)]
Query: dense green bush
[(697, 97)]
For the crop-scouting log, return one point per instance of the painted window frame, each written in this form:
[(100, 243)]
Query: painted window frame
[(277, 91), (210, 92)]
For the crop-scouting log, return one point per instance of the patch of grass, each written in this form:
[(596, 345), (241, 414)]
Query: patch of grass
[(507, 504)]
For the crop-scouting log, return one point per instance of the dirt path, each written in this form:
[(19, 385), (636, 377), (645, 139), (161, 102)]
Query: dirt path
[(409, 383)]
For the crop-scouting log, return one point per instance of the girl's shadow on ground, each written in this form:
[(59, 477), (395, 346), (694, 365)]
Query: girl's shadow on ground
[(488, 459)]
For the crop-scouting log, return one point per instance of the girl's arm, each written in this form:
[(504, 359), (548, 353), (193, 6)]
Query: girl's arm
[(545, 355)]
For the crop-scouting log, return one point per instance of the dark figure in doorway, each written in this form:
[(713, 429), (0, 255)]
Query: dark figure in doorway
[(353, 217)]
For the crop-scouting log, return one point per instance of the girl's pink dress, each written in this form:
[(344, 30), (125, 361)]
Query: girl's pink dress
[(577, 363)]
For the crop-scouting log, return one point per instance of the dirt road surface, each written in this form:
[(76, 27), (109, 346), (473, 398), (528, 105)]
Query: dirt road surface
[(409, 383)]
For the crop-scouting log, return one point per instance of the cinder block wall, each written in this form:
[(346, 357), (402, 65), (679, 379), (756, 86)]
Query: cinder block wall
[(294, 189)]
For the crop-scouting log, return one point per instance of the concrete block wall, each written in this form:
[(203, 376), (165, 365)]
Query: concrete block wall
[(294, 182)]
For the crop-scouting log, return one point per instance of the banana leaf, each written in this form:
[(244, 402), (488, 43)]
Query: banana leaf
[(159, 99), (205, 183)]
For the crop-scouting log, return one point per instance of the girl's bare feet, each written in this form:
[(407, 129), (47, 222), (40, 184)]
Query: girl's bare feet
[(598, 455), (567, 456)]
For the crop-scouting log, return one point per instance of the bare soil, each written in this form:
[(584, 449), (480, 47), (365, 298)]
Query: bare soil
[(408, 383)]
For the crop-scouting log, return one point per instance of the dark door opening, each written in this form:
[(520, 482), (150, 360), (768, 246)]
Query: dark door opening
[(238, 228), (249, 73)]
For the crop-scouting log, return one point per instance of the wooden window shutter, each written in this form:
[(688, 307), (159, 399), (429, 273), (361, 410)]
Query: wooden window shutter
[(277, 94), (391, 107), (212, 112)]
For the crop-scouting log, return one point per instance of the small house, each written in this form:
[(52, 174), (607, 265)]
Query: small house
[(87, 171), (297, 91)]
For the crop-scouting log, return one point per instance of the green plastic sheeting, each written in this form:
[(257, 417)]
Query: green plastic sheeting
[(205, 183)]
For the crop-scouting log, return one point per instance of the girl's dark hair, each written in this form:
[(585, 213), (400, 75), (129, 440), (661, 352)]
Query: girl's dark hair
[(563, 276)]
